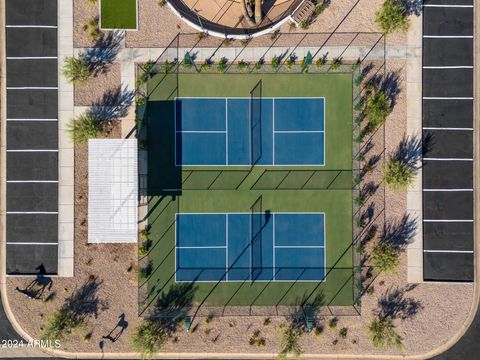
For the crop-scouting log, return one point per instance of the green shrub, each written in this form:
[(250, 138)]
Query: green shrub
[(61, 323), (145, 271), (343, 333), (162, 3), (305, 24), (319, 8), (207, 65), (258, 65), (84, 127), (169, 66), (332, 324), (145, 247), (291, 60), (76, 70), (398, 174), (188, 61), (384, 257), (242, 65), (382, 333), (318, 330), (377, 108), (276, 60), (292, 26), (336, 64), (91, 2), (92, 29), (290, 342), (148, 338), (392, 16), (321, 61), (222, 65)]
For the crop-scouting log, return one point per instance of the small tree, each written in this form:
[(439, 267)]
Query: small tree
[(392, 16), (76, 69), (84, 127), (398, 174), (384, 257), (61, 323), (377, 108), (289, 343), (382, 333), (148, 338)]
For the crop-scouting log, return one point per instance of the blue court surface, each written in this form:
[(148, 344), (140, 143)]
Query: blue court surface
[(237, 247), (249, 131)]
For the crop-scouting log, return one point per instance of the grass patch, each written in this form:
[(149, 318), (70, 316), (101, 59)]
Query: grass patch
[(119, 14)]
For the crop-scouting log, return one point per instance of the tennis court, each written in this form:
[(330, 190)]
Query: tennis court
[(250, 246), (249, 131)]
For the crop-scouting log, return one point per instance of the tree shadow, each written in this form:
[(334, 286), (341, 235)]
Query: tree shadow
[(413, 7), (84, 302), (399, 234), (395, 303), (309, 306), (104, 52), (174, 303), (388, 84), (114, 104), (411, 149)]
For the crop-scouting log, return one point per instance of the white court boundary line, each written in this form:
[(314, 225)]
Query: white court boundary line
[(226, 131), (224, 278)]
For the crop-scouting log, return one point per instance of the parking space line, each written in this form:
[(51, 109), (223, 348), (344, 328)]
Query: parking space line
[(32, 212), (446, 98), (32, 181), (32, 26), (449, 251), (447, 6), (448, 36), (32, 150), (32, 88), (447, 128), (447, 220), (32, 119), (447, 159), (31, 243), (32, 57), (448, 67), (439, 190)]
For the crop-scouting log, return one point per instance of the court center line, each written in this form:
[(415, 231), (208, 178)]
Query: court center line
[(226, 131), (226, 244), (273, 131)]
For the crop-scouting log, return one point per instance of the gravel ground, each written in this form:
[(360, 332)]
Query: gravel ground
[(93, 91)]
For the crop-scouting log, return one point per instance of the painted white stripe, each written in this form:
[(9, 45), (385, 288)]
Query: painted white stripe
[(226, 131), (447, 67), (32, 119), (445, 220), (450, 251), (201, 247), (33, 212), (297, 131), (32, 181), (30, 243), (447, 6), (201, 132), (434, 190), (447, 128), (32, 57), (226, 245), (32, 88), (30, 150), (447, 159), (32, 26), (446, 98), (448, 36), (298, 247)]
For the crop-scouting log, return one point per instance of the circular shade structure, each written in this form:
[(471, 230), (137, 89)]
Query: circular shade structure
[(225, 18)]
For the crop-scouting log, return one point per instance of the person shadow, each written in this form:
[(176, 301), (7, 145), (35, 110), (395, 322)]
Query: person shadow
[(121, 326), (37, 286)]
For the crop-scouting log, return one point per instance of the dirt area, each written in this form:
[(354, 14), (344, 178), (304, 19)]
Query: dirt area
[(83, 12), (94, 91)]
